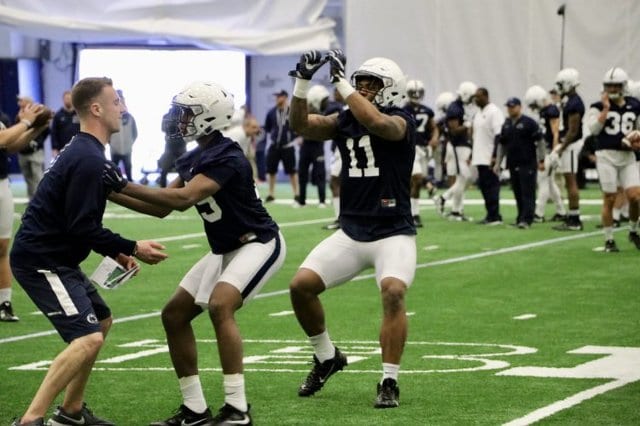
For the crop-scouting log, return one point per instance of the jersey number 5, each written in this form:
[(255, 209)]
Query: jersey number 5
[(209, 210), (362, 145)]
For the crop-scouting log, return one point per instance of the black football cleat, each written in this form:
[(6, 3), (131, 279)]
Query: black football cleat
[(185, 416), (388, 394), (321, 372), (635, 239), (229, 415), (610, 246), (6, 312)]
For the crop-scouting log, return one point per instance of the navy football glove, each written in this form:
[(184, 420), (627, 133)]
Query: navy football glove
[(309, 63), (338, 61), (112, 177)]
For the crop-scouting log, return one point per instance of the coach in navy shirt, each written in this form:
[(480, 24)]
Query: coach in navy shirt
[(521, 141), (61, 226)]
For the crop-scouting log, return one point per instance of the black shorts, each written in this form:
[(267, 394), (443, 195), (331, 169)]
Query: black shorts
[(287, 155), (66, 297)]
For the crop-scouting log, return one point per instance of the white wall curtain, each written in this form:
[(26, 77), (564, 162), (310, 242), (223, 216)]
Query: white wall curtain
[(254, 26), (504, 45)]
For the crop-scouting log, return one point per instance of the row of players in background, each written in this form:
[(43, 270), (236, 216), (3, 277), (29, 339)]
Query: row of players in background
[(472, 137)]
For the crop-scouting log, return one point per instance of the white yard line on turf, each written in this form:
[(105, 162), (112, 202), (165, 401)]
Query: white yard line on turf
[(358, 278)]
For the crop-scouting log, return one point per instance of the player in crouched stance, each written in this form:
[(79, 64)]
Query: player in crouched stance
[(246, 248), (613, 121), (376, 140)]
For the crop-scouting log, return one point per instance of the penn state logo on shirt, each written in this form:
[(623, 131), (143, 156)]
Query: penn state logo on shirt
[(92, 319)]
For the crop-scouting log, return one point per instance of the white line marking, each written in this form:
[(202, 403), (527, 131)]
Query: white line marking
[(429, 248), (190, 246), (525, 316)]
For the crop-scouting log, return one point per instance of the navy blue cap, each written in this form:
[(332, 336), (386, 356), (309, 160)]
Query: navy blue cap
[(511, 102), (282, 93)]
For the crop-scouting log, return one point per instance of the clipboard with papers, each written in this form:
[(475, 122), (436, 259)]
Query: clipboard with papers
[(109, 274)]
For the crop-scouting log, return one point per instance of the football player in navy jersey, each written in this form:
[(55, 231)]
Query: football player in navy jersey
[(426, 141), (376, 139), (538, 100), (458, 151), (611, 119), (246, 247), (568, 150), (60, 227), (12, 140)]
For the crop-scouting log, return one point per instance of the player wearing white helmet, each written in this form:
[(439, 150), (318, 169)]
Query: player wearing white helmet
[(376, 139), (570, 144), (613, 119), (539, 101), (246, 248), (458, 151), (427, 141)]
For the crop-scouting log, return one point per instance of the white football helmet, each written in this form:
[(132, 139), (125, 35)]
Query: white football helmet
[(466, 91), (394, 82), (415, 90), (616, 76), (633, 89), (443, 101), (202, 107), (315, 96), (567, 79), (536, 97)]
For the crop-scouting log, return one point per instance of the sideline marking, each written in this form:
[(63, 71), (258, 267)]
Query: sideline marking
[(620, 363), (358, 278)]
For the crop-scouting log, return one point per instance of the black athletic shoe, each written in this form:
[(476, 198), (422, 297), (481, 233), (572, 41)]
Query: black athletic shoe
[(185, 416), (538, 219), (417, 222), (388, 394), (84, 417), (230, 415), (6, 312), (558, 217), (635, 239), (333, 225), (570, 225), (610, 246), (36, 422), (269, 199), (321, 372)]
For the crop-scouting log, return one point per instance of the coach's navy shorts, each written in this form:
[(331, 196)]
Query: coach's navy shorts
[(66, 297), (286, 155)]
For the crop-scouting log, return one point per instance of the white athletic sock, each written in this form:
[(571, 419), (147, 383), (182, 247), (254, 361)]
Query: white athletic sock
[(336, 206), (608, 233), (575, 212), (415, 206), (234, 391), (192, 395), (616, 213), (322, 346), (5, 295), (390, 371)]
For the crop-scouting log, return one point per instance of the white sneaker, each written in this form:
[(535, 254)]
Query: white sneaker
[(322, 206)]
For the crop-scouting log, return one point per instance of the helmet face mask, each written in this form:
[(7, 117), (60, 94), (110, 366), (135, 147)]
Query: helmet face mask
[(393, 81), (614, 83), (201, 108), (415, 91), (567, 80)]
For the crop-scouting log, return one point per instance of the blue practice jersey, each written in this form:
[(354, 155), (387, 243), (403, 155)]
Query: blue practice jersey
[(63, 221), (456, 112), (621, 119), (234, 215), (573, 105), (375, 179), (547, 114), (421, 114)]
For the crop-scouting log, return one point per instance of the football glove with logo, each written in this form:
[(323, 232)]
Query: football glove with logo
[(338, 62), (309, 63), (112, 177)]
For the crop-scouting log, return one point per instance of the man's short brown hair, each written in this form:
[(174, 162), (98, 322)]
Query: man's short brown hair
[(86, 90)]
